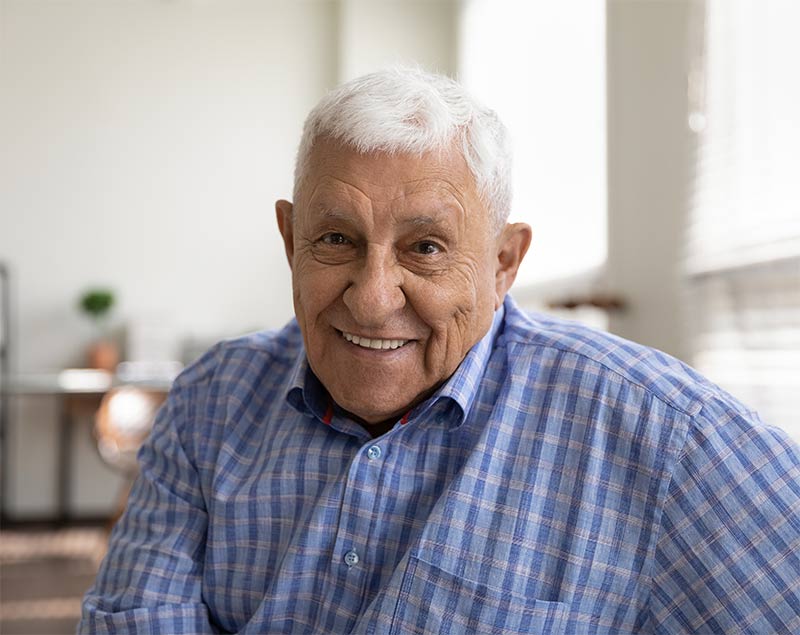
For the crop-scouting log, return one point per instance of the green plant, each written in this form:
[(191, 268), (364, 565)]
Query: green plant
[(97, 302)]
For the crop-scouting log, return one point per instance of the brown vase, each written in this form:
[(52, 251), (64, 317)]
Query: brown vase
[(103, 354)]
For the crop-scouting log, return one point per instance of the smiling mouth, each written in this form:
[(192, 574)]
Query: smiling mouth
[(374, 343)]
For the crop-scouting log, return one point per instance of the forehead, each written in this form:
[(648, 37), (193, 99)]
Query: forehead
[(336, 171)]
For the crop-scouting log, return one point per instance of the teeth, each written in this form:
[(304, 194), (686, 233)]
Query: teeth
[(375, 344)]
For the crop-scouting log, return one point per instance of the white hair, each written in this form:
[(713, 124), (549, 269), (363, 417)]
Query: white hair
[(408, 110)]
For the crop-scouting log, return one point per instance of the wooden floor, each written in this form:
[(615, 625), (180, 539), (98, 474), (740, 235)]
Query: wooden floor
[(43, 576)]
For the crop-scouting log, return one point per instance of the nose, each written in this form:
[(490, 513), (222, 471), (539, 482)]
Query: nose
[(375, 293)]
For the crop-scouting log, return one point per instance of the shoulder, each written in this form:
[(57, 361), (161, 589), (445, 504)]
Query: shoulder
[(637, 390), (538, 344), (252, 367), (234, 375), (243, 363), (627, 390)]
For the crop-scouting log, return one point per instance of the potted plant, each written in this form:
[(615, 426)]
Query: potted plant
[(103, 353)]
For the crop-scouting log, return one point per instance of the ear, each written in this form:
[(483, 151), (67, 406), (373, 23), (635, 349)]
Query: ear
[(283, 212), (512, 245)]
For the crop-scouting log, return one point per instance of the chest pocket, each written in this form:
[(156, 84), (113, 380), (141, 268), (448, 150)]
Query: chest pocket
[(434, 601)]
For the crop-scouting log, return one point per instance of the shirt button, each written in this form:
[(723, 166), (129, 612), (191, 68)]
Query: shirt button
[(374, 452), (351, 558)]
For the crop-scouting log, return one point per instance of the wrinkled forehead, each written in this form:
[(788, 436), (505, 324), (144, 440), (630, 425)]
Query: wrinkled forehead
[(422, 205), (383, 177)]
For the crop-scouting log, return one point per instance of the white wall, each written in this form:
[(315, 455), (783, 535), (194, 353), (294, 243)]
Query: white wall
[(376, 33), (649, 150)]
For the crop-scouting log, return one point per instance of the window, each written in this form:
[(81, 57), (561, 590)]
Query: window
[(743, 255), (543, 71)]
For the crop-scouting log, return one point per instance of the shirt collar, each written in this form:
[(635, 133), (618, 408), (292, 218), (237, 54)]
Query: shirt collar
[(463, 385), (307, 394)]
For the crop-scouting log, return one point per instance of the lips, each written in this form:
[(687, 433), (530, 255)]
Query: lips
[(374, 343)]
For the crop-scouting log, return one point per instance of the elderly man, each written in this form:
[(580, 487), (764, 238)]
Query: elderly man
[(414, 454)]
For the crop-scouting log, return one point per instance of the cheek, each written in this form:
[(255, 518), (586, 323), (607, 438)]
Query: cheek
[(459, 312), (314, 287), (311, 295), (458, 298)]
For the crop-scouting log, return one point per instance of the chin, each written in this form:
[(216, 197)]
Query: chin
[(360, 401), (368, 415)]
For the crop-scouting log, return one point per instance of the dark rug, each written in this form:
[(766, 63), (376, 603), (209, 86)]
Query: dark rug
[(43, 576)]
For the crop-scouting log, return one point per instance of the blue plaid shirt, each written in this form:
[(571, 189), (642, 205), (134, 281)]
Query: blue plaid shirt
[(561, 481)]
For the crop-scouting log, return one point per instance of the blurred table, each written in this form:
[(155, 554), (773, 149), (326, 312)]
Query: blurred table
[(79, 392)]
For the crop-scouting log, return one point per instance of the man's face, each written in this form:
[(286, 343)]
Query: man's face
[(396, 274)]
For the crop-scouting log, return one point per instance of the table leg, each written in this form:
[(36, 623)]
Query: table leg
[(64, 468)]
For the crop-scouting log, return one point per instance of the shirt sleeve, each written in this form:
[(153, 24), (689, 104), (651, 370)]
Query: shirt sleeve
[(728, 557), (150, 579)]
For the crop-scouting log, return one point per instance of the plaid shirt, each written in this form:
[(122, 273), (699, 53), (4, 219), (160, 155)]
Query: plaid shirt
[(561, 481)]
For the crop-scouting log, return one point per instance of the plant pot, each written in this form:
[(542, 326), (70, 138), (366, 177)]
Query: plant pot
[(103, 354)]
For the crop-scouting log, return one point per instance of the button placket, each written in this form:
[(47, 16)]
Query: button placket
[(358, 505)]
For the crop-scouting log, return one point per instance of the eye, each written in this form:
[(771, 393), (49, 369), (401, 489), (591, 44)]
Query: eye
[(427, 248), (334, 238)]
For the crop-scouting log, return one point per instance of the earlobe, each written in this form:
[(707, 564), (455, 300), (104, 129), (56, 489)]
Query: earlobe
[(512, 246), (283, 213)]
